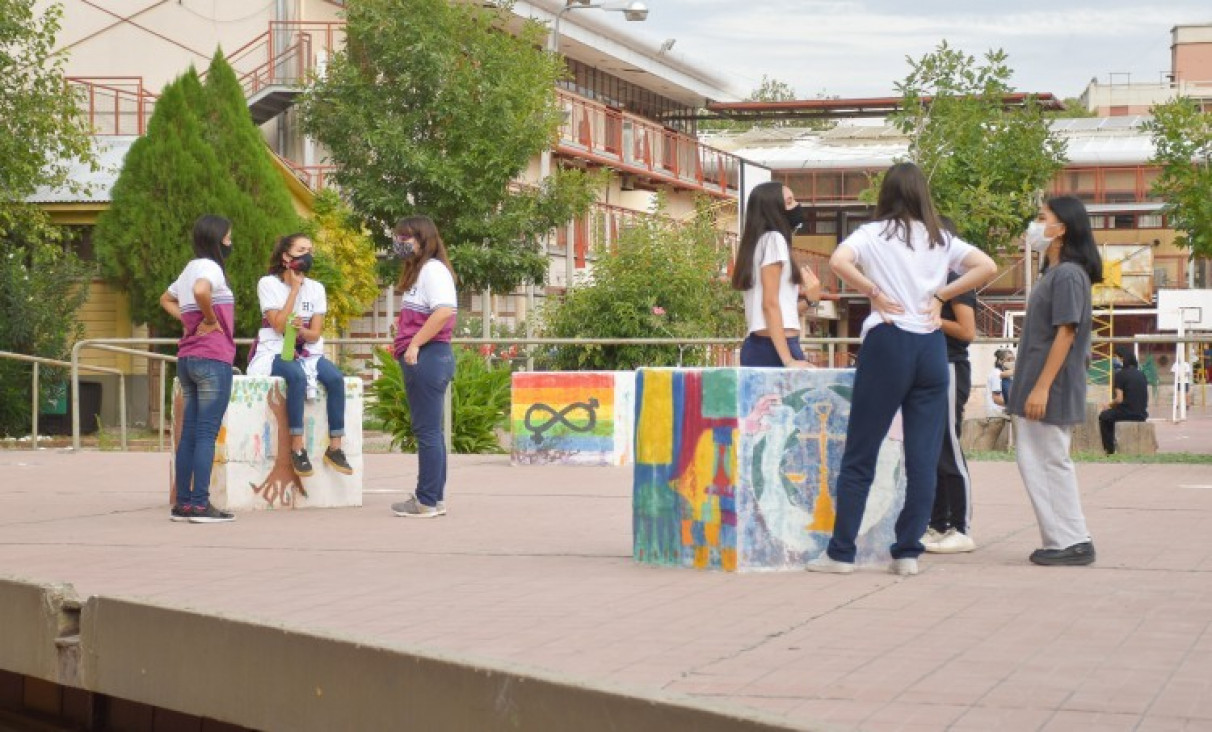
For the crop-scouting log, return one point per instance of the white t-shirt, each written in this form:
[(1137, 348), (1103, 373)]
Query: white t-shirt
[(993, 385), (1182, 372), (772, 248), (908, 275), (218, 346), (272, 293)]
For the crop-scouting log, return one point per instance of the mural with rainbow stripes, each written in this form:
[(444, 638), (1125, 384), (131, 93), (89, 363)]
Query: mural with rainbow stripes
[(572, 418)]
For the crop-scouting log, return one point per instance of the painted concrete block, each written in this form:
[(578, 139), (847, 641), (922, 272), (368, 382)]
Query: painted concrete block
[(736, 469), (252, 454), (572, 417)]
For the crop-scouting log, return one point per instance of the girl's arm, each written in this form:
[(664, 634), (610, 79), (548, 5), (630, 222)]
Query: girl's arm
[(311, 330), (433, 325), (963, 328), (279, 318), (1037, 400), (844, 267)]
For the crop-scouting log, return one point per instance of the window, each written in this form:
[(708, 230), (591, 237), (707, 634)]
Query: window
[(1151, 221), (1125, 221), (1098, 222)]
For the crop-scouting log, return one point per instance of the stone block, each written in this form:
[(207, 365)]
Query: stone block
[(572, 417), (986, 434), (252, 467), (1135, 438), (736, 469)]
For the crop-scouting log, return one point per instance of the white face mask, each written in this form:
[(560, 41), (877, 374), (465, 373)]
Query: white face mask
[(1036, 238)]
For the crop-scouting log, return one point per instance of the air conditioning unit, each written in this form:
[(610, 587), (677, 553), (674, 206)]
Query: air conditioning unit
[(627, 182)]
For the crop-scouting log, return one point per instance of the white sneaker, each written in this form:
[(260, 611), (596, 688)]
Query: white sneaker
[(931, 536), (903, 567), (953, 542), (826, 563)]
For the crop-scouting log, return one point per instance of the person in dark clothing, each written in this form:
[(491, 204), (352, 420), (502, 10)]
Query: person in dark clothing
[(1131, 401), (949, 531)]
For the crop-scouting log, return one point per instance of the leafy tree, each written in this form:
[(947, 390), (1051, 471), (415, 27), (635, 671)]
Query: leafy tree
[(170, 177), (433, 109), (43, 130), (343, 245), (663, 280), (987, 163), (254, 196), (1182, 138), (42, 285)]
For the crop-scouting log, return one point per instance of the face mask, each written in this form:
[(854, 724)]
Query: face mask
[(302, 263), (795, 216), (404, 249), (224, 251), (1036, 238)]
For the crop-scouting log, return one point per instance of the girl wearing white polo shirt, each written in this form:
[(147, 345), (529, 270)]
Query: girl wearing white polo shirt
[(289, 297), (905, 255), (422, 346), (769, 279), (201, 299)]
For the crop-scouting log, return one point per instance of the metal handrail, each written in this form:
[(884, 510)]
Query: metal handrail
[(39, 360), (119, 345)]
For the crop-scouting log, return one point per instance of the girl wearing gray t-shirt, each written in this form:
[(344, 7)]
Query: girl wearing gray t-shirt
[(1049, 394)]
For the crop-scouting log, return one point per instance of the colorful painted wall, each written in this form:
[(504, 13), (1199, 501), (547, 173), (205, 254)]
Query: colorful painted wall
[(572, 418), (252, 454), (736, 469)]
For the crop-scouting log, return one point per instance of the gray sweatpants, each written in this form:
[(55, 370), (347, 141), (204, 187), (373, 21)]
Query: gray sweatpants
[(1048, 473)]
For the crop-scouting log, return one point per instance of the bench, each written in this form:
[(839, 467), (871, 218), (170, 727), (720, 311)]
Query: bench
[(252, 454)]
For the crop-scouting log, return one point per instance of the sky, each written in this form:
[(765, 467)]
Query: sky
[(857, 48)]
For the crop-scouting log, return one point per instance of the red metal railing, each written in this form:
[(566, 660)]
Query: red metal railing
[(315, 177), (640, 146), (285, 54), (114, 105)]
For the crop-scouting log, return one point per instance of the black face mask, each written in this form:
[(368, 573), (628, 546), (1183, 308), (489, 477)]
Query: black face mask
[(302, 263), (224, 252), (795, 216)]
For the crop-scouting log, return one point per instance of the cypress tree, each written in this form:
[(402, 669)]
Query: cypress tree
[(170, 177), (259, 203)]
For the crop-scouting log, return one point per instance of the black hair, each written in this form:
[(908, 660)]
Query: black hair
[(904, 198), (1077, 244), (209, 231), (1127, 356), (765, 212)]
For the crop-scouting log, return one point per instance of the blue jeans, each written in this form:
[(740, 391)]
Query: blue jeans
[(896, 370), (206, 388), (759, 351), (296, 391), (425, 383)]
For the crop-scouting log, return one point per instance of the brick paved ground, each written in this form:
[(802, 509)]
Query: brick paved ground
[(532, 567)]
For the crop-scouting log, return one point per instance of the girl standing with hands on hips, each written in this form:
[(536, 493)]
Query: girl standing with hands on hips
[(201, 299), (422, 346), (769, 279), (905, 254), (1049, 394), (292, 300)]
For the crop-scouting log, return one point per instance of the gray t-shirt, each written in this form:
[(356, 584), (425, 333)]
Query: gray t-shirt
[(1061, 297)]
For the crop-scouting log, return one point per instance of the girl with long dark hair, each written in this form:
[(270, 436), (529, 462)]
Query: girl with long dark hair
[(202, 300), (291, 299), (904, 254), (1049, 394), (422, 346), (769, 279)]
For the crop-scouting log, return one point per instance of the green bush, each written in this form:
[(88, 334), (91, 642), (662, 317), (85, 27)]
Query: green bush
[(480, 401)]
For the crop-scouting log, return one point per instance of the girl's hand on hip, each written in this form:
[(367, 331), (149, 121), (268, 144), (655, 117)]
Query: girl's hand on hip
[(411, 354), (887, 307), (1037, 404), (934, 310)]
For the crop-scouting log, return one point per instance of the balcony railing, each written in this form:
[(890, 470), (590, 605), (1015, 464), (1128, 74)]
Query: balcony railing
[(639, 146), (114, 105), (315, 177), (285, 54)]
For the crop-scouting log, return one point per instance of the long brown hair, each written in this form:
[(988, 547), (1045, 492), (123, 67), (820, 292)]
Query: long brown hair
[(904, 198), (429, 246), (765, 212)]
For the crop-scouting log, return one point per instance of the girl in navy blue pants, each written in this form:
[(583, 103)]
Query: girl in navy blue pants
[(900, 260)]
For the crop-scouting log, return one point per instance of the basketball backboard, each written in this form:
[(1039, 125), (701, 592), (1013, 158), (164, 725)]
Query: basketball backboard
[(1191, 307)]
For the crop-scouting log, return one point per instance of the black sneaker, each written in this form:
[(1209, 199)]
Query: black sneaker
[(180, 513), (210, 515), (335, 458), (1076, 555), (301, 463)]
